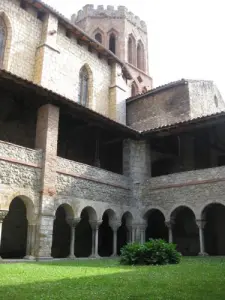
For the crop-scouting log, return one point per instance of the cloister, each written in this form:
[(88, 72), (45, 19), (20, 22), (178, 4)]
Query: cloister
[(92, 235)]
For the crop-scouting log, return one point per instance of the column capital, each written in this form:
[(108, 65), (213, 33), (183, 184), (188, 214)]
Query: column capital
[(95, 224), (73, 222), (3, 214), (201, 224), (170, 223), (115, 225)]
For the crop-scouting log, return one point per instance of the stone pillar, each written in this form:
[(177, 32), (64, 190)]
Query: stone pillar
[(95, 227), (73, 223), (201, 226), (115, 226), (30, 250), (47, 140), (3, 214), (142, 229), (169, 225), (117, 94)]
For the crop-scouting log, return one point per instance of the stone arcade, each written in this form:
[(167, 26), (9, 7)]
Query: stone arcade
[(92, 157)]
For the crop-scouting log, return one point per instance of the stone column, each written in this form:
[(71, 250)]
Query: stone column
[(73, 223), (47, 140), (3, 214), (95, 227), (142, 229), (30, 250), (115, 227), (201, 226), (169, 225)]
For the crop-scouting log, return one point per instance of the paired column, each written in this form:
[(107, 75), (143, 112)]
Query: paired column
[(142, 229), (115, 226), (3, 214), (73, 223), (169, 224), (95, 227), (131, 233), (201, 226), (30, 250)]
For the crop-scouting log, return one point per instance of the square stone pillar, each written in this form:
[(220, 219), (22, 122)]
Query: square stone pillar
[(47, 140), (137, 166), (118, 93)]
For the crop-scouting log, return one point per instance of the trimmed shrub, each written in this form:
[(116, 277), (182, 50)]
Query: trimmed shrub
[(153, 252)]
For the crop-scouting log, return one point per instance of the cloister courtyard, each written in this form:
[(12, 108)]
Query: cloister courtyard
[(194, 278)]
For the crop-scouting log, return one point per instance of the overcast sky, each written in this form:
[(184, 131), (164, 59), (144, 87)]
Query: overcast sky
[(186, 38)]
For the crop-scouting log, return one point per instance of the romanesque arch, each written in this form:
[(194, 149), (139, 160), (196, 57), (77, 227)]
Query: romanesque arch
[(156, 228), (124, 233), (62, 232), (85, 86), (84, 237), (213, 216), (14, 230), (140, 56), (5, 39), (185, 230)]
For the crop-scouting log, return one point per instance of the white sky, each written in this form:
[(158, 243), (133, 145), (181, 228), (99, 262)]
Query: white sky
[(186, 38)]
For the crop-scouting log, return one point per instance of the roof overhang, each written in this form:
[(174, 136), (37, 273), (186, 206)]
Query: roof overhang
[(18, 86)]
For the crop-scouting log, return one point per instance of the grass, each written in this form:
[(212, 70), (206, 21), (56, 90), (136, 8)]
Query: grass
[(194, 278)]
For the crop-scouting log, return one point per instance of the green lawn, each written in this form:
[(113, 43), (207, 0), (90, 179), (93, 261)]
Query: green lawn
[(194, 278)]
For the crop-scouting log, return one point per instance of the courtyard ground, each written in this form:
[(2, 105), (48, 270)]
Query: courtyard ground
[(194, 278)]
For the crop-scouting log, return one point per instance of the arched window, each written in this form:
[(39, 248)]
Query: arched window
[(131, 50), (98, 37), (134, 89), (3, 36), (112, 43), (140, 56), (84, 83), (144, 90)]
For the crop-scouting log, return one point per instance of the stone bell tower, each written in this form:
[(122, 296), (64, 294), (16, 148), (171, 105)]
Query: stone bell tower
[(124, 34)]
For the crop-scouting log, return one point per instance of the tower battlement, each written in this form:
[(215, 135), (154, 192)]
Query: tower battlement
[(109, 12)]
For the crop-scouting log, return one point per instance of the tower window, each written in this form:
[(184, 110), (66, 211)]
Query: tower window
[(134, 89), (140, 56), (3, 36), (83, 82), (98, 37), (112, 43), (131, 50)]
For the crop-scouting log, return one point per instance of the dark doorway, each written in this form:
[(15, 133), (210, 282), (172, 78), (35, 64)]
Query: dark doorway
[(83, 237), (14, 231), (214, 231), (61, 235), (156, 228), (105, 237), (185, 231)]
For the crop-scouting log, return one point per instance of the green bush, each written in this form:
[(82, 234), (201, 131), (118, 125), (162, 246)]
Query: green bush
[(153, 252)]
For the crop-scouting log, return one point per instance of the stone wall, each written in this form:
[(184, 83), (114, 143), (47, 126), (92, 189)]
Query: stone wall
[(173, 103), (24, 34), (161, 108), (205, 98), (90, 183), (20, 154), (195, 189)]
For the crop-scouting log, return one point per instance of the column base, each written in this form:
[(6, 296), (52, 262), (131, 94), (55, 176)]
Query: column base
[(44, 258), (71, 257), (114, 256), (29, 257), (96, 256), (203, 254)]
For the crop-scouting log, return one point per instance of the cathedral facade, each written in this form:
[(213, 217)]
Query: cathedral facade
[(91, 155)]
